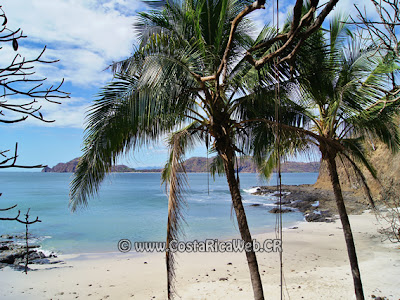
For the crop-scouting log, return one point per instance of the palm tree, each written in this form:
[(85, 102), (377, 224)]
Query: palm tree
[(341, 93), (160, 89)]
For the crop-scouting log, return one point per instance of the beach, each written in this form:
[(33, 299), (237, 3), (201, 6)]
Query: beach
[(314, 259)]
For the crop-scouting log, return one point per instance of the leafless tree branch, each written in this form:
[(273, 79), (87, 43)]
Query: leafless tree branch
[(18, 78), (383, 33), (4, 164), (301, 28), (19, 220), (26, 222)]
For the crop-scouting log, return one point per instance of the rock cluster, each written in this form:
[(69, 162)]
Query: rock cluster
[(13, 253), (296, 198)]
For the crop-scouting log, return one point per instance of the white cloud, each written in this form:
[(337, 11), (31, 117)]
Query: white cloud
[(85, 35), (70, 113)]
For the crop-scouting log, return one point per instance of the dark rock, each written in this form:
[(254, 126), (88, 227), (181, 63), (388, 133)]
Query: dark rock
[(307, 194), (276, 210), (34, 255), (323, 216), (6, 236), (279, 195), (6, 242), (14, 267), (32, 246), (45, 261), (23, 236), (8, 257), (5, 245), (283, 202), (255, 204), (302, 206), (14, 254)]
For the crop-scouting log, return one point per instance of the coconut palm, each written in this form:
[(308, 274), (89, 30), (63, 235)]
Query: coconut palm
[(342, 90), (159, 91)]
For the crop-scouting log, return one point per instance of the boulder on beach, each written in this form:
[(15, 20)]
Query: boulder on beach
[(276, 210)]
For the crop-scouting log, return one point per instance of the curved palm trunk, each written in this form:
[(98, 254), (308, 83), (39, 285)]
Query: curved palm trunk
[(351, 249), (228, 158)]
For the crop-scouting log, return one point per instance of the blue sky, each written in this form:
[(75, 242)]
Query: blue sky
[(86, 36)]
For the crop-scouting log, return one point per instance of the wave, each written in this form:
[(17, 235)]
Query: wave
[(315, 204), (252, 190)]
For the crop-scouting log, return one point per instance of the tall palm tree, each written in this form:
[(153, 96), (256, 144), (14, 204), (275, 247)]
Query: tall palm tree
[(159, 90), (342, 94)]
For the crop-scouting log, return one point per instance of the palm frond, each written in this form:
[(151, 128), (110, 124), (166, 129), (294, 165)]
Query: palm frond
[(175, 176), (355, 147), (217, 166), (362, 179), (124, 117)]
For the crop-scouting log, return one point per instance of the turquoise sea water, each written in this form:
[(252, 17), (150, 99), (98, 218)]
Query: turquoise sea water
[(133, 206)]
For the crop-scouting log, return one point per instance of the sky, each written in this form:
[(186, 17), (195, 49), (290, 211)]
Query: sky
[(86, 36)]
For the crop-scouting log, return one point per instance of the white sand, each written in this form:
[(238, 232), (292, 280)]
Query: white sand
[(315, 267)]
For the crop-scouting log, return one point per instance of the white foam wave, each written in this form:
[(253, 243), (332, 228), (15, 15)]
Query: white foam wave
[(47, 252), (252, 190)]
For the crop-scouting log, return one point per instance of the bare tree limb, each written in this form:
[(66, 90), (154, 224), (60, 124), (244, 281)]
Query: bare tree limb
[(26, 222), (21, 221), (4, 165), (248, 9), (301, 29), (19, 78), (383, 33), (8, 208)]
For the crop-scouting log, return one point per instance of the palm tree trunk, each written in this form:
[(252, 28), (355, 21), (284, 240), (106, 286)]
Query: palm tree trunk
[(242, 223), (348, 235)]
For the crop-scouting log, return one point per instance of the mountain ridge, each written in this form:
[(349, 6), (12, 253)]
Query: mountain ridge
[(195, 165)]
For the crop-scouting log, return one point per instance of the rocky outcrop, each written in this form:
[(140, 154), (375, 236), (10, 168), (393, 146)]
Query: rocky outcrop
[(382, 159), (317, 205), (68, 167), (13, 253)]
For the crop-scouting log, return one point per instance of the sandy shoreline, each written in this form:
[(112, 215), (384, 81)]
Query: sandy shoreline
[(315, 267)]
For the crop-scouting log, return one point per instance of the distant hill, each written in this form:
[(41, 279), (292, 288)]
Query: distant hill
[(70, 167), (197, 165)]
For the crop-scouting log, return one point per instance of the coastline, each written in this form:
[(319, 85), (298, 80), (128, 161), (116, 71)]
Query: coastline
[(313, 201), (315, 267)]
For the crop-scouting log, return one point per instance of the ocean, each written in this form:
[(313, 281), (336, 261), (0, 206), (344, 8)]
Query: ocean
[(133, 206)]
